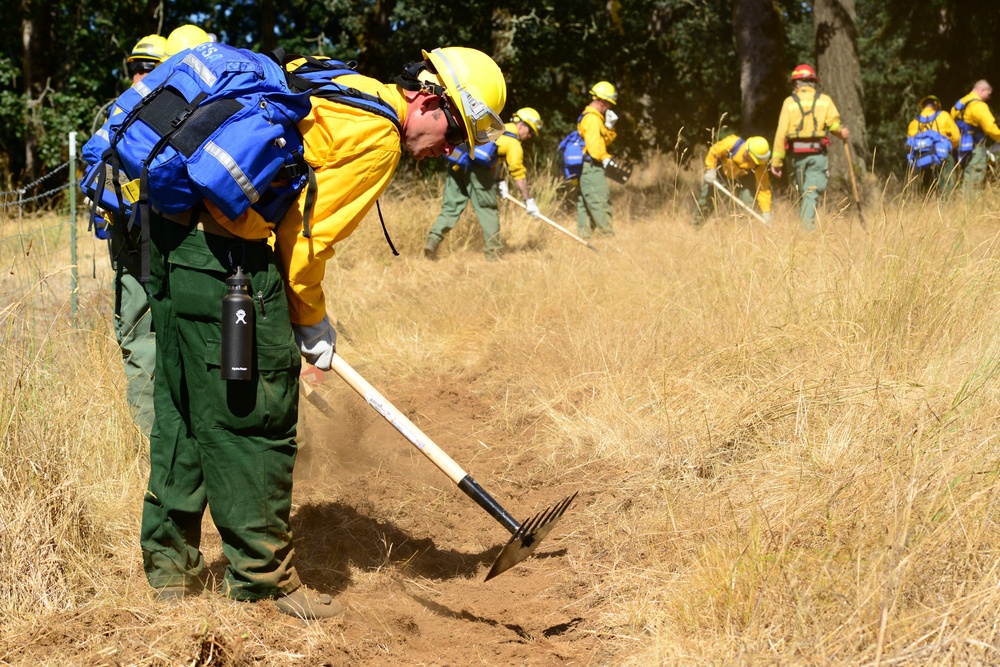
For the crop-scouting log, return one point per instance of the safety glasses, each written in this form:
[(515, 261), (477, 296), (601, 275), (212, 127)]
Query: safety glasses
[(141, 67)]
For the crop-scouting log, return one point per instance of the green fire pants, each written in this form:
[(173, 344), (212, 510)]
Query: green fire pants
[(133, 326), (974, 171), (479, 185), (593, 204), (228, 445), (810, 174)]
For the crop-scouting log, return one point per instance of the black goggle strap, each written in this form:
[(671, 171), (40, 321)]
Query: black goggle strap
[(385, 231), (310, 201)]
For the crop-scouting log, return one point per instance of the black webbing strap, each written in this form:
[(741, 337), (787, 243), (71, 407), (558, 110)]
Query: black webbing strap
[(310, 201), (385, 231)]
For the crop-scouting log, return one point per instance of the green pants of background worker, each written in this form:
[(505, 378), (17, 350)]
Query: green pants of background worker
[(974, 171), (478, 185), (743, 187), (133, 326), (228, 444), (810, 174), (593, 203), (942, 177)]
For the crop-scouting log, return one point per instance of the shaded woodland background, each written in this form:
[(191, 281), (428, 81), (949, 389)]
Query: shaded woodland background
[(680, 65)]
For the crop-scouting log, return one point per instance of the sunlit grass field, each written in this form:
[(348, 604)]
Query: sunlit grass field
[(790, 439)]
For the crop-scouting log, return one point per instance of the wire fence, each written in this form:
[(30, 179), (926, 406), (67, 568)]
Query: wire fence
[(24, 235)]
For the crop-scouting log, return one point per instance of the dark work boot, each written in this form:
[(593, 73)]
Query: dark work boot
[(431, 249)]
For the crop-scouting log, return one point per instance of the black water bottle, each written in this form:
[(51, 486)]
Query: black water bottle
[(237, 328)]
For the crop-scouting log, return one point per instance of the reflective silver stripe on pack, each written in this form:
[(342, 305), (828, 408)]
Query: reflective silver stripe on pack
[(234, 170), (200, 69), (141, 88)]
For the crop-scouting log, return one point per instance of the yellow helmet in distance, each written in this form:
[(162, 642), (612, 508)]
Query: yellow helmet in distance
[(475, 85), (151, 47), (758, 149), (603, 90), (186, 37), (529, 117)]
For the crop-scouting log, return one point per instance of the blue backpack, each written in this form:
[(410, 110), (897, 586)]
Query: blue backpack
[(970, 136), (214, 122), (571, 154), (486, 155), (459, 158), (928, 147)]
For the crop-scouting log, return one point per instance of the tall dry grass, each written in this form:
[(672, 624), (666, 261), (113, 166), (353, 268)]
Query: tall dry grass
[(789, 439)]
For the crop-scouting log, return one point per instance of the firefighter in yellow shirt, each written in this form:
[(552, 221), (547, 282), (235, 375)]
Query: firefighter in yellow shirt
[(596, 126), (976, 123), (473, 175), (231, 444), (807, 119), (743, 165), (933, 137)]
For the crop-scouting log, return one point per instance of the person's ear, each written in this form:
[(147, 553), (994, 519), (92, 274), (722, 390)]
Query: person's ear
[(429, 103)]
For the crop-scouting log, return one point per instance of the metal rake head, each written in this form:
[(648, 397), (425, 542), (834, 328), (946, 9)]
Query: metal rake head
[(528, 536)]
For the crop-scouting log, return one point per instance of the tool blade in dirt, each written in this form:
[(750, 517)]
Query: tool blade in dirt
[(313, 397), (619, 173), (528, 536)]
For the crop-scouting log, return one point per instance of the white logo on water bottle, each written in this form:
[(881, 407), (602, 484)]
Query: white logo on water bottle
[(241, 316)]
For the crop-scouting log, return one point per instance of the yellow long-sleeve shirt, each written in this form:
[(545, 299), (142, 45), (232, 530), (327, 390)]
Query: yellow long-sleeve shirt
[(978, 115), (720, 156), (595, 134), (942, 123), (354, 154), (826, 118), (512, 151)]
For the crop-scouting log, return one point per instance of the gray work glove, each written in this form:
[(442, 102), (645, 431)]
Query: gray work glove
[(531, 207), (605, 162), (710, 175), (767, 217), (504, 190), (610, 118), (317, 342)]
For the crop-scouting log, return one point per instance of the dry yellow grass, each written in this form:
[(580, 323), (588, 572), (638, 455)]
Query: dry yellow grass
[(789, 439)]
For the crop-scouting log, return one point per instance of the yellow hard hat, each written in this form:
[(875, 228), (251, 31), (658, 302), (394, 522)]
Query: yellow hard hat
[(603, 90), (758, 149), (930, 99), (186, 37), (150, 47), (529, 117), (476, 87)]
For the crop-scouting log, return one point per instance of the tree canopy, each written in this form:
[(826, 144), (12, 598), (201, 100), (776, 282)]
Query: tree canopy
[(676, 63)]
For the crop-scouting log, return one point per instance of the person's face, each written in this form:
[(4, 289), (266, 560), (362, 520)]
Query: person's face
[(139, 70), (432, 130), (523, 131), (985, 93)]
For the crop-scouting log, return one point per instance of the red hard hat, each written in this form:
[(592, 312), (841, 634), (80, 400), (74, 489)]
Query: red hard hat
[(803, 72)]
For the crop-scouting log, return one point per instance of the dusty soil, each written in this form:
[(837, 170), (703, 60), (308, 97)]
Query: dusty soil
[(379, 526)]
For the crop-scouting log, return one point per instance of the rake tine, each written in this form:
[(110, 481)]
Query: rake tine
[(528, 536)]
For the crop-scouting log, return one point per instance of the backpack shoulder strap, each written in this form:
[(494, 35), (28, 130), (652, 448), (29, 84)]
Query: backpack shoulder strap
[(803, 113), (736, 148)]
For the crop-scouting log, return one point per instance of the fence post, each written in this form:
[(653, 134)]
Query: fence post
[(74, 297)]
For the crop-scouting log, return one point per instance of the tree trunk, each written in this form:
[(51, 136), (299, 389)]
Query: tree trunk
[(30, 138), (267, 38), (759, 39), (839, 70)]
